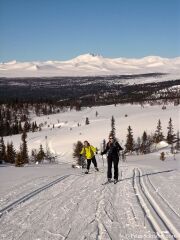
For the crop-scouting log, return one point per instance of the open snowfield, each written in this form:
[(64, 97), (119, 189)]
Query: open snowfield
[(55, 201)]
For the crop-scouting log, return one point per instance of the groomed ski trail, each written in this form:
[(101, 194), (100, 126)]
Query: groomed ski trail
[(155, 214), (78, 207)]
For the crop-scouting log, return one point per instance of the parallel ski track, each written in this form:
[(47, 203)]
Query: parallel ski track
[(163, 199), (155, 215), (23, 199)]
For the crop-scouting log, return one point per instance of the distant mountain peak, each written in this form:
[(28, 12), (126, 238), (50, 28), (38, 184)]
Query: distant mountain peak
[(87, 57), (91, 64)]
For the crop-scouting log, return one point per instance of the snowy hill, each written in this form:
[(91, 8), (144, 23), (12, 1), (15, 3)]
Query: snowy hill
[(92, 65), (55, 201), (140, 118)]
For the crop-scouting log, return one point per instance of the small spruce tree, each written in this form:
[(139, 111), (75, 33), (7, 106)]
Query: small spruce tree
[(170, 133), (2, 150), (33, 155), (11, 153), (26, 126), (24, 149), (177, 141), (41, 154), (144, 143), (19, 161), (130, 141), (158, 136)]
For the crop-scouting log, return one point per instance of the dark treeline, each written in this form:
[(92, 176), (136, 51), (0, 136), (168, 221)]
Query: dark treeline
[(16, 116), (20, 157), (86, 90), (14, 120)]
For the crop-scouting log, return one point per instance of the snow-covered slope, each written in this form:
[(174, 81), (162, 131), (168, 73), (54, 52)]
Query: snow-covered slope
[(69, 127), (91, 65), (55, 201)]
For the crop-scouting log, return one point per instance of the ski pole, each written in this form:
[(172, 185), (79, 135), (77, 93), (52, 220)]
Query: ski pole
[(81, 165), (103, 162)]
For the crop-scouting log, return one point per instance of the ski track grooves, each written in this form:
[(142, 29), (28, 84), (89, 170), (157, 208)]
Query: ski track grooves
[(164, 200), (100, 226), (157, 218), (23, 199)]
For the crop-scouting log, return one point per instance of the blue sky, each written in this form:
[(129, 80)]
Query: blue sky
[(62, 29)]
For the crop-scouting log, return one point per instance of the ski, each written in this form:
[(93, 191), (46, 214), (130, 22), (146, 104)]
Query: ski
[(107, 182), (93, 172)]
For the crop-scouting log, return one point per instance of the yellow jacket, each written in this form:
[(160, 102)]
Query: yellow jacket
[(88, 151)]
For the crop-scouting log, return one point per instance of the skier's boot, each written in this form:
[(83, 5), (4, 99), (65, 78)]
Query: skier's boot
[(97, 169), (115, 181), (86, 172), (109, 180)]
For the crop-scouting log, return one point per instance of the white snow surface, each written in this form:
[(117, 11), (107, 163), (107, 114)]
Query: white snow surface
[(92, 65), (55, 201)]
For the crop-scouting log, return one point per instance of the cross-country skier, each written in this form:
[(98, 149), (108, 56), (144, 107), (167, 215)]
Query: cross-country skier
[(112, 149), (89, 151)]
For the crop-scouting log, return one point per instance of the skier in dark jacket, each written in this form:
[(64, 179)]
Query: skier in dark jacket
[(112, 150)]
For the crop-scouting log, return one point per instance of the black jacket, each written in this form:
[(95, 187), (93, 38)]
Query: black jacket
[(112, 149)]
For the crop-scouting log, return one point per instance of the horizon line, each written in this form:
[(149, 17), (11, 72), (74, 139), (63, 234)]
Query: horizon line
[(84, 54)]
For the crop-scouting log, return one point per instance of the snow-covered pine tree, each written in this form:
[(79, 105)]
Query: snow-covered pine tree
[(19, 162), (24, 148), (2, 150), (7, 128), (10, 153), (41, 154), (26, 126), (129, 146), (144, 143), (34, 127), (33, 155), (158, 136), (113, 129), (178, 142), (170, 133)]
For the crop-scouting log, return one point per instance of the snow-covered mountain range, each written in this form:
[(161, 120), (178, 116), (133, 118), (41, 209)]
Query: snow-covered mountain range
[(91, 65)]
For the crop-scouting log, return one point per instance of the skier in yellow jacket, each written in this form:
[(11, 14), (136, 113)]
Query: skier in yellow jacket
[(88, 151)]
